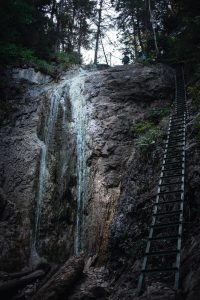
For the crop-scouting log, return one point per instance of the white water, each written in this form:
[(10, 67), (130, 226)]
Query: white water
[(74, 89), (49, 132), (79, 119)]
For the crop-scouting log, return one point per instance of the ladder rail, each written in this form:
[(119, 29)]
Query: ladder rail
[(173, 161)]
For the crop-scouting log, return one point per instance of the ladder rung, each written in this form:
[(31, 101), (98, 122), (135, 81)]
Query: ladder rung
[(176, 146), (174, 156), (172, 169), (162, 253), (172, 163), (172, 123), (166, 225), (171, 176), (160, 270), (171, 183), (175, 212), (178, 157), (169, 157), (168, 202), (176, 139), (170, 192), (177, 128), (171, 143), (165, 237)]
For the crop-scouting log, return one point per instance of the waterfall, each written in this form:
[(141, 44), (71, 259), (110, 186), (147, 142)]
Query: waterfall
[(79, 118), (48, 136), (68, 88)]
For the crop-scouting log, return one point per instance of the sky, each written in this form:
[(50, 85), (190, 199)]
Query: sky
[(111, 44), (112, 50)]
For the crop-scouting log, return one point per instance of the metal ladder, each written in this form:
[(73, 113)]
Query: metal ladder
[(161, 262)]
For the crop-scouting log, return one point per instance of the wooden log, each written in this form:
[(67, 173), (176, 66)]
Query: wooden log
[(11, 286), (62, 281)]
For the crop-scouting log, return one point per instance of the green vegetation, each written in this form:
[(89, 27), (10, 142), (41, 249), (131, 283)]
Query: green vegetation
[(166, 30), (156, 114), (140, 126), (149, 131), (196, 127), (149, 138), (194, 92), (44, 32)]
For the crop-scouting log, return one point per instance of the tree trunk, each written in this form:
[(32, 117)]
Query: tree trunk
[(139, 32), (62, 281), (134, 37), (98, 32), (10, 287), (153, 29)]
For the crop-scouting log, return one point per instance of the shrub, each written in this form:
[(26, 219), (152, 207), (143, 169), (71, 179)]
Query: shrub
[(68, 59), (194, 92), (149, 138), (196, 126), (157, 113), (43, 66), (10, 53), (140, 126)]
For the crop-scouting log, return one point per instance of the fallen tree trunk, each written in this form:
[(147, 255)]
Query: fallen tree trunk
[(62, 281), (11, 286)]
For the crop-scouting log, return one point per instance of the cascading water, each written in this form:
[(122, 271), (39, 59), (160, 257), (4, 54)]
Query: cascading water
[(79, 118), (68, 88), (45, 144)]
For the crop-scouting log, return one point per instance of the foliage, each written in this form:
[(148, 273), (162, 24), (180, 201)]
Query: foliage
[(149, 138), (157, 113), (42, 28), (194, 92), (68, 60), (43, 66), (196, 126), (140, 126), (167, 29), (149, 131)]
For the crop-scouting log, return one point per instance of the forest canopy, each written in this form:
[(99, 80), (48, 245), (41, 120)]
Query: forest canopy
[(54, 31)]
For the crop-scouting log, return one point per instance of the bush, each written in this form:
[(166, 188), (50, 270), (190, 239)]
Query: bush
[(196, 126), (43, 66), (194, 92), (149, 138), (140, 126), (157, 113), (10, 53), (68, 59)]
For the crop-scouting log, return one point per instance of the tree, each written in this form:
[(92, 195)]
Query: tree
[(43, 27)]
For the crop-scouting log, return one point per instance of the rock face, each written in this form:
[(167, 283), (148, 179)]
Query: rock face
[(116, 98), (67, 161)]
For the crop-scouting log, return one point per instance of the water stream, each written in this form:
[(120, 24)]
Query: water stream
[(49, 131), (79, 118), (73, 88)]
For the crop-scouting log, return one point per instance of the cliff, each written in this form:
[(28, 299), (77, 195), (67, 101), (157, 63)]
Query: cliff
[(78, 178)]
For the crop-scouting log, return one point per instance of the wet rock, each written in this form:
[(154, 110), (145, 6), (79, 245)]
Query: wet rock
[(29, 75), (111, 100)]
